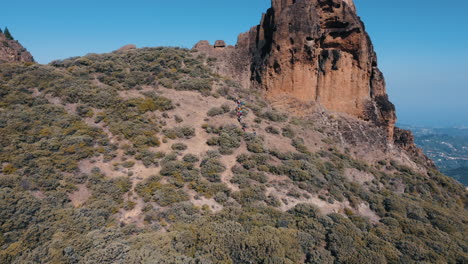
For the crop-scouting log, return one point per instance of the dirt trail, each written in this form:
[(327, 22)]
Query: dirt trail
[(80, 196)]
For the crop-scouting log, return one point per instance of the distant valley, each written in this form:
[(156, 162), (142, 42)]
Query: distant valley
[(448, 147)]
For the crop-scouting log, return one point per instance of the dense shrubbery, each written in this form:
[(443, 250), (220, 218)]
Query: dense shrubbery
[(211, 168), (254, 144), (168, 195), (229, 138), (164, 194), (148, 157), (209, 189), (214, 111), (203, 86), (183, 132), (41, 145), (288, 132), (272, 130), (191, 158), (274, 116), (37, 138)]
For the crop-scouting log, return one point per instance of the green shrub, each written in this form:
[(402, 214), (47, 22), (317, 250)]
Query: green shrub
[(84, 111), (258, 176), (183, 132), (128, 164), (214, 111), (250, 195), (221, 197), (166, 82), (272, 130), (178, 119), (225, 108), (191, 158), (298, 143), (168, 195), (273, 201), (230, 137), (201, 85), (211, 169), (255, 147), (288, 132), (274, 116), (209, 189), (148, 157), (179, 146)]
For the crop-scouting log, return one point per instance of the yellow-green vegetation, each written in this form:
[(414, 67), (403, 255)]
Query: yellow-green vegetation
[(107, 108), (214, 111), (229, 138), (211, 167), (183, 132)]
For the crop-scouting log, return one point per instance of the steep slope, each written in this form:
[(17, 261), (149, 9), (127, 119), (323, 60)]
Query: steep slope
[(137, 157), (142, 155), (12, 51)]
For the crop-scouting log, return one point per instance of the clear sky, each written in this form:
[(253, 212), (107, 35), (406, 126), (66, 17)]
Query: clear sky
[(422, 45)]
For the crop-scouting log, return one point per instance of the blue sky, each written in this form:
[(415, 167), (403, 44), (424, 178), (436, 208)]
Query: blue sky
[(422, 45)]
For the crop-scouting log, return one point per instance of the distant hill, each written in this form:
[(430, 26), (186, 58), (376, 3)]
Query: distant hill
[(461, 174)]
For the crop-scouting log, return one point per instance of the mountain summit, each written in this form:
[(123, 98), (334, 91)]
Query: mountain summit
[(314, 51), (11, 50)]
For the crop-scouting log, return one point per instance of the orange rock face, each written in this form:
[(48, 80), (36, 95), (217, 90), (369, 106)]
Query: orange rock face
[(314, 51)]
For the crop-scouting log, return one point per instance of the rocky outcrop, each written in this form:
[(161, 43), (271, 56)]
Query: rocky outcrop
[(126, 48), (220, 44), (405, 140), (13, 51), (315, 51)]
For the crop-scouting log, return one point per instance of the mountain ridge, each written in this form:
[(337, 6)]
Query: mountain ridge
[(166, 155), (12, 51)]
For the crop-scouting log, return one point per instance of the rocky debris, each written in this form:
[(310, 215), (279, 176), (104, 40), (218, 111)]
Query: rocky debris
[(405, 140), (220, 44), (12, 51), (126, 48)]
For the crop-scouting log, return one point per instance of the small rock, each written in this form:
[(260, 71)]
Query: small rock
[(220, 44)]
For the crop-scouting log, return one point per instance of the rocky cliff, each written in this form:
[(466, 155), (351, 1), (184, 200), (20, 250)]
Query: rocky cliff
[(13, 51), (314, 51)]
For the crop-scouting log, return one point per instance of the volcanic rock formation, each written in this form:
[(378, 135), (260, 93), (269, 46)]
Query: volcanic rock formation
[(315, 51), (13, 51)]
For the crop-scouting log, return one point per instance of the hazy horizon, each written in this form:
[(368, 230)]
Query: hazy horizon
[(420, 45)]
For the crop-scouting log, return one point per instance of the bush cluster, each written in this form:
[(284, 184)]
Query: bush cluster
[(229, 138), (182, 132), (211, 169), (214, 111)]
